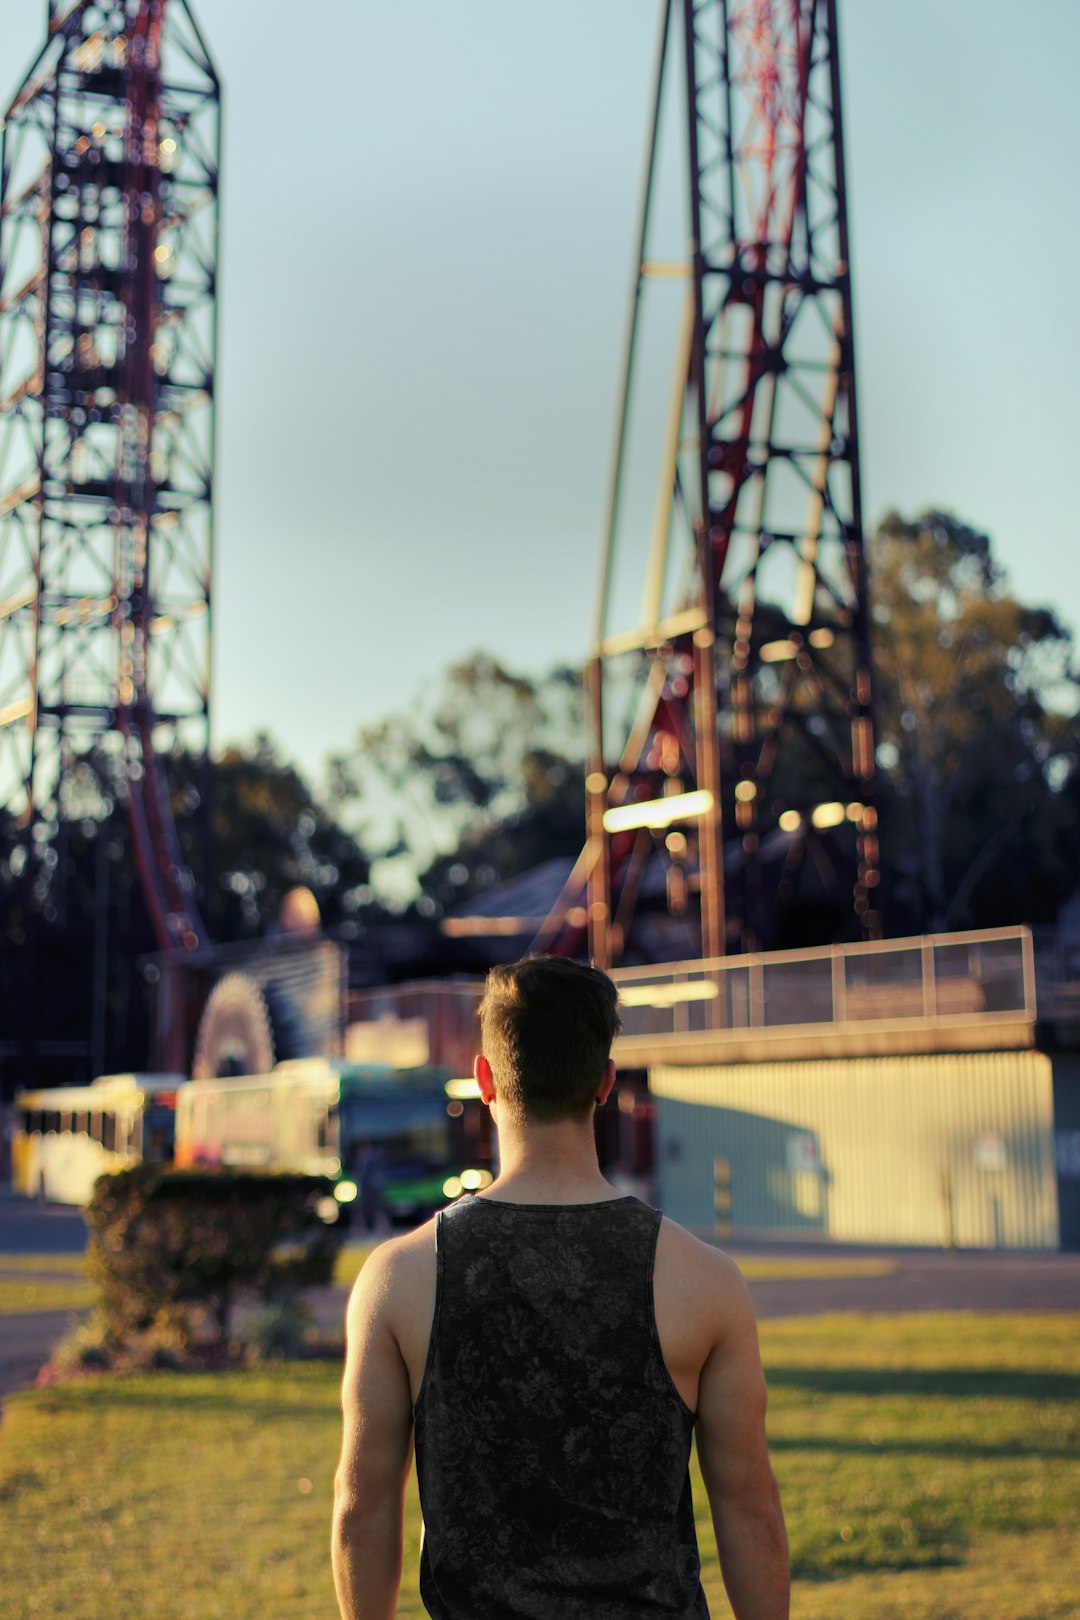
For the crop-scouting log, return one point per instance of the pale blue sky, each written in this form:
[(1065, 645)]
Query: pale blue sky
[(428, 220)]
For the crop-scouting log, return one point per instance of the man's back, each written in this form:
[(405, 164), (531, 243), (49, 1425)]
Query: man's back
[(705, 1349), (551, 1444), (697, 1290)]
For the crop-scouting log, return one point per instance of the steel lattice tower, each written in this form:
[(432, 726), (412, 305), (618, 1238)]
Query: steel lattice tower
[(108, 280), (750, 666)]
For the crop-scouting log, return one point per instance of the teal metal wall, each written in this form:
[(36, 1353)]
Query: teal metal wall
[(954, 1147)]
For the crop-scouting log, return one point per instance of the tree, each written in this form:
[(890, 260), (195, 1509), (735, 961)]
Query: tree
[(976, 697), (551, 823), (267, 834), (74, 921), (480, 780)]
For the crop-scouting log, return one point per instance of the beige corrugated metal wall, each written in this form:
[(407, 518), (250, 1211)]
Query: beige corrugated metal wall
[(955, 1146)]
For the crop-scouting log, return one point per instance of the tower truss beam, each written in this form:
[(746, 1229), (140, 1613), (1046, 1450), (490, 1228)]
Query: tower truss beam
[(109, 179), (747, 675)]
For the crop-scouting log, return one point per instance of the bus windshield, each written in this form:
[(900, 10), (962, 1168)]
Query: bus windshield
[(66, 1137), (415, 1126)]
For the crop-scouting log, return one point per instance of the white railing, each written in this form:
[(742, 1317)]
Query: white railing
[(935, 979)]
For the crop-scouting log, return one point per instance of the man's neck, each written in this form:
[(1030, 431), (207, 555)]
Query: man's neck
[(549, 1164)]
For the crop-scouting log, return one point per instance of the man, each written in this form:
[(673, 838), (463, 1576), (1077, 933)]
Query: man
[(553, 1346)]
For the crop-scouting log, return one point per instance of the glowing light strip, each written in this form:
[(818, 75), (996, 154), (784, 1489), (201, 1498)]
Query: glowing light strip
[(658, 812), (666, 995)]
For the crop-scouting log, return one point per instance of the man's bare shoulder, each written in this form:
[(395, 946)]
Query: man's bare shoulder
[(705, 1259), (394, 1296), (703, 1274), (397, 1266)]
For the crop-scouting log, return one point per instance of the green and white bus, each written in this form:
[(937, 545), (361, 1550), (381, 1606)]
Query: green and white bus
[(67, 1136), (383, 1136)]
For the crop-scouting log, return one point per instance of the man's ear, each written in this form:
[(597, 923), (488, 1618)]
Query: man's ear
[(484, 1079), (606, 1083)]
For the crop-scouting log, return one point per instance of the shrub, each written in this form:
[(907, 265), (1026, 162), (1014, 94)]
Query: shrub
[(88, 1347), (280, 1331), (168, 1247)]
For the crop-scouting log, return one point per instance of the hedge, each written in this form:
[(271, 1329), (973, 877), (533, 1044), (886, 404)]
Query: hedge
[(168, 1247)]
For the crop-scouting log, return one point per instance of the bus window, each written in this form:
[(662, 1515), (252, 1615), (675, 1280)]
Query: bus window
[(159, 1132), (66, 1138)]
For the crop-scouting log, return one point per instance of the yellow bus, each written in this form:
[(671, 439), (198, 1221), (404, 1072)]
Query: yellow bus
[(68, 1136)]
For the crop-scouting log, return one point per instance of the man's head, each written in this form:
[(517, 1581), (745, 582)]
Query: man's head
[(547, 1026)]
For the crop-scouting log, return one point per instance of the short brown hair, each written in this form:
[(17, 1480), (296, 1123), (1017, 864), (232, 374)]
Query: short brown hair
[(547, 1025)]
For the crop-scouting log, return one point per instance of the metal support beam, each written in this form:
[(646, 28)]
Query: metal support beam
[(108, 286), (753, 655)]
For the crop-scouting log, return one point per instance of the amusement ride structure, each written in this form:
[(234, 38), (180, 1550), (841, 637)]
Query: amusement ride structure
[(732, 724), (732, 738), (108, 336)]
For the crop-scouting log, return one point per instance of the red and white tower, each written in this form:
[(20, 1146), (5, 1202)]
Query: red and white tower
[(108, 337), (732, 723)]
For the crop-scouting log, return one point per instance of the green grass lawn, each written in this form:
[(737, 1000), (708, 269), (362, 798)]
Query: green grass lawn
[(42, 1282), (789, 1267), (29, 1293), (71, 1265), (930, 1468)]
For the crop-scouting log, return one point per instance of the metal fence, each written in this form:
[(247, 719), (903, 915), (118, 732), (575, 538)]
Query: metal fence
[(933, 980), (999, 974)]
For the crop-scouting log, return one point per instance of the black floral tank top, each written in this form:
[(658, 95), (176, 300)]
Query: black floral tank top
[(551, 1444)]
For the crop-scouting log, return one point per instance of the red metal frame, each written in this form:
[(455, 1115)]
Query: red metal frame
[(753, 680), (108, 281)]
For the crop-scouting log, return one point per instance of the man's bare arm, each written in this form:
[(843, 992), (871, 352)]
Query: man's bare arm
[(376, 1452), (743, 1495)]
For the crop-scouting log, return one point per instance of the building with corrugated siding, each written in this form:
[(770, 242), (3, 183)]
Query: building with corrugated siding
[(946, 1148), (914, 1092)]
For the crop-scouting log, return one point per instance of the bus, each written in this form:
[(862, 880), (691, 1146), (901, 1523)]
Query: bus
[(68, 1136), (384, 1136)]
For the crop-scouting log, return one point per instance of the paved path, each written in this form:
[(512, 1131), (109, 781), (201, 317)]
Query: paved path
[(928, 1280), (921, 1280), (27, 1227), (25, 1342)]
